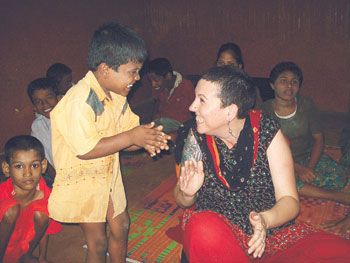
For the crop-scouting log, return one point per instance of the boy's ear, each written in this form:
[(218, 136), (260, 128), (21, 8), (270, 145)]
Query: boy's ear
[(43, 165), (103, 69), (168, 76), (5, 168), (272, 86)]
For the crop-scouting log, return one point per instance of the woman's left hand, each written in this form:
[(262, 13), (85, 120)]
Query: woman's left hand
[(257, 242)]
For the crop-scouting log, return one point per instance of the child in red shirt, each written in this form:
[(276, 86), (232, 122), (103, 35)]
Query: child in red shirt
[(24, 218)]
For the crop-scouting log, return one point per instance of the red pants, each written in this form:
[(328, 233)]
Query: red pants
[(208, 238)]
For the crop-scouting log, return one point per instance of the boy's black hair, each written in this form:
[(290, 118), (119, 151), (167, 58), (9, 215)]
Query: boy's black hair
[(283, 67), (39, 84), (236, 87), (160, 67), (57, 71), (115, 45), (235, 51), (23, 143)]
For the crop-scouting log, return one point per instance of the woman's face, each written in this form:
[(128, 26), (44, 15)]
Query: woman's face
[(211, 117), (286, 86), (226, 58)]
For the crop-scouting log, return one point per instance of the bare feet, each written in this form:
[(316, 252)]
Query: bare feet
[(341, 197), (339, 226)]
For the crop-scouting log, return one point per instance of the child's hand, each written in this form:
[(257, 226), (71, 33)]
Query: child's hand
[(306, 174), (152, 139)]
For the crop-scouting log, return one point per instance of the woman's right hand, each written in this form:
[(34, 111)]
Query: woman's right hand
[(191, 178)]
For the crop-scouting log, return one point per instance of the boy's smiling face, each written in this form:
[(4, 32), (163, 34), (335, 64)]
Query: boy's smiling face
[(44, 100), (25, 169), (119, 81)]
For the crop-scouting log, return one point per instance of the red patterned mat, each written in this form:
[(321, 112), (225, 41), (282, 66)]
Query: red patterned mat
[(152, 221)]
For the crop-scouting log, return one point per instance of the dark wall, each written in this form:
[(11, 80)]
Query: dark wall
[(313, 33)]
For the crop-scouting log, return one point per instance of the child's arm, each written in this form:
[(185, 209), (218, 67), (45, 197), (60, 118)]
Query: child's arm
[(152, 139), (306, 173), (317, 150)]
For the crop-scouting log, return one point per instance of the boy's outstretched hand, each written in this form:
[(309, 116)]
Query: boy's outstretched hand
[(150, 138)]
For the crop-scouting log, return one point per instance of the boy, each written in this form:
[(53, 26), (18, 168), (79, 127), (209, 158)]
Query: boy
[(43, 95), (90, 125), (62, 76), (172, 94), (24, 220)]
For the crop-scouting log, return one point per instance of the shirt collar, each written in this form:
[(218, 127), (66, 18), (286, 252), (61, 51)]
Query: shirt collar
[(101, 94)]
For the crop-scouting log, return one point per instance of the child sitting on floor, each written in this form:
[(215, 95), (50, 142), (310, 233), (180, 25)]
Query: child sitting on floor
[(61, 74), (317, 174), (91, 124), (43, 95), (172, 94), (24, 219), (342, 226)]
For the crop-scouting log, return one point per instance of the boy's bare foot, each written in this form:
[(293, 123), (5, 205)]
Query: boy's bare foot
[(338, 226), (342, 197)]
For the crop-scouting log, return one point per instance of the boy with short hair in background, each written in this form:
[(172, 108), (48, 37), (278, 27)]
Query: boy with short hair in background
[(172, 93), (24, 218), (61, 75), (43, 95), (90, 125)]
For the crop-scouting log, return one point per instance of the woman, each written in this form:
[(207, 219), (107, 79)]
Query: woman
[(317, 174), (237, 181), (230, 54)]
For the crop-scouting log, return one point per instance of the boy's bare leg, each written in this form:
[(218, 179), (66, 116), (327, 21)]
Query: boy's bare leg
[(118, 237), (317, 192), (96, 239), (7, 225), (41, 223)]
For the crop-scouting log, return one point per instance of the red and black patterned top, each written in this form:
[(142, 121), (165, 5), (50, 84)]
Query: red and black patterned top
[(238, 181)]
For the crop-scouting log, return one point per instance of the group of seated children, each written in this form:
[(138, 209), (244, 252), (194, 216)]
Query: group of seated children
[(44, 93), (83, 131)]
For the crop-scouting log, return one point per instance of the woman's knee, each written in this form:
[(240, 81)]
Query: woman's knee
[(11, 215)]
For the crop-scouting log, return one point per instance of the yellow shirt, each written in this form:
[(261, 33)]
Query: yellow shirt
[(79, 121)]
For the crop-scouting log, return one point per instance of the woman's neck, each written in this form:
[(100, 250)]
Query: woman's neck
[(232, 132)]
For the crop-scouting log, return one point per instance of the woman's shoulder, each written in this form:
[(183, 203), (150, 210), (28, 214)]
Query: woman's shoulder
[(269, 124)]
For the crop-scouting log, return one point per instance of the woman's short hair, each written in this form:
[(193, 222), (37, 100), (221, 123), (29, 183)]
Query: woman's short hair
[(236, 87)]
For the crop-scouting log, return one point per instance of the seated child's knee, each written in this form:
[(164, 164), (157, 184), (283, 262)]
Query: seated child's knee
[(12, 214), (41, 219)]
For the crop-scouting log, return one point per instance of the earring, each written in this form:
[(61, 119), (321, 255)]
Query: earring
[(230, 131)]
